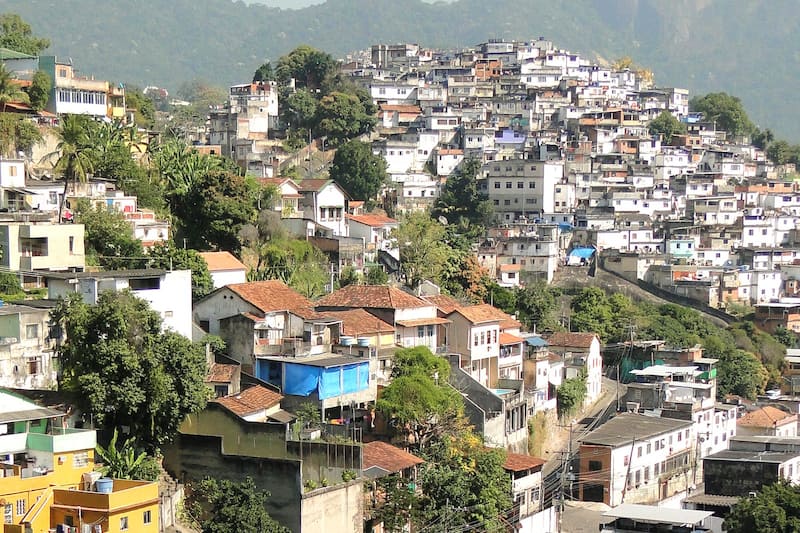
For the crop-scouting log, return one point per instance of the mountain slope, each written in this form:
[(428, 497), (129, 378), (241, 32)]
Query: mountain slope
[(745, 47)]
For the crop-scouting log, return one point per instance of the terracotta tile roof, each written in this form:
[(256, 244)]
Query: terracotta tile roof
[(220, 373), (479, 314), (766, 417), (357, 322), (445, 304), (372, 220), (510, 268), (273, 295), (356, 203), (312, 185), (401, 108), (387, 457), (517, 462), (508, 338), (249, 401), (219, 261), (371, 296), (571, 340), (450, 151)]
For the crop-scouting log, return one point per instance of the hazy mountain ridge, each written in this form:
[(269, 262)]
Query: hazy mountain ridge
[(745, 47)]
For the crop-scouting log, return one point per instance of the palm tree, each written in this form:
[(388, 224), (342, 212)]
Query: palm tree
[(9, 91), (74, 150)]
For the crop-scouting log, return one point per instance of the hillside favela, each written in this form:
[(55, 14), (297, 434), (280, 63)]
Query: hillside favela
[(495, 287)]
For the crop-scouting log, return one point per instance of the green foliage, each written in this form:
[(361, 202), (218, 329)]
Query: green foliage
[(666, 125), (10, 91), (307, 66), (108, 238), (264, 73), (395, 504), (125, 463), (74, 151), (595, 311), (9, 283), (144, 108), (16, 34), (461, 198), (125, 371), (39, 90), (463, 482), (308, 414), (275, 255), (358, 171), (775, 509), (169, 256), (342, 116), (17, 134), (376, 275), (570, 395), (537, 305), (214, 209), (299, 111), (349, 475), (349, 276), (786, 337), (423, 251), (725, 110), (224, 506), (419, 399)]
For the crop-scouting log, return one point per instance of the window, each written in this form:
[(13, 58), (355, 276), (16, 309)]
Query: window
[(147, 517), (123, 523), (520, 185), (476, 340), (639, 451), (483, 337), (71, 244), (32, 331), (508, 185), (421, 331), (594, 466), (496, 184), (531, 184), (8, 514), (79, 460), (21, 505), (144, 284), (220, 390), (33, 366)]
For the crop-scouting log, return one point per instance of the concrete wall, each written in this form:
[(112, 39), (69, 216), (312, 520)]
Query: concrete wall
[(337, 508)]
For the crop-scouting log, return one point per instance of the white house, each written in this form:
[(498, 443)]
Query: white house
[(224, 268), (635, 458), (325, 203), (169, 292), (581, 352)]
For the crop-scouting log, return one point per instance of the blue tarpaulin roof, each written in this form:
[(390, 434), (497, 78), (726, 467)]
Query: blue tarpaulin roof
[(583, 253), (537, 342), (565, 226)]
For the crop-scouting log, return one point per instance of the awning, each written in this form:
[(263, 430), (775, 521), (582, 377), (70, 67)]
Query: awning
[(508, 338), (18, 190), (583, 253)]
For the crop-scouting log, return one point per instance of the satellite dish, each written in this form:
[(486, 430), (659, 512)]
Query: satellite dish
[(442, 221)]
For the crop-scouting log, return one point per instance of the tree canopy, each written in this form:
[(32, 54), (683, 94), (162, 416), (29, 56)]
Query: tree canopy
[(422, 248), (464, 485), (725, 110), (461, 198), (419, 400), (358, 171), (16, 34), (224, 506), (666, 125), (774, 509), (125, 371), (108, 237)]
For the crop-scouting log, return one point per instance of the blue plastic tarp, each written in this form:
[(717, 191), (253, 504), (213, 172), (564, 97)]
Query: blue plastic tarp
[(300, 380), (583, 253), (331, 384)]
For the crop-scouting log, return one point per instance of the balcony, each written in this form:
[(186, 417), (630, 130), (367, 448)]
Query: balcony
[(15, 443), (126, 494), (59, 440)]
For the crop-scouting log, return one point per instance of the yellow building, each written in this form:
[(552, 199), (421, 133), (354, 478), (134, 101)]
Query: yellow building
[(47, 478)]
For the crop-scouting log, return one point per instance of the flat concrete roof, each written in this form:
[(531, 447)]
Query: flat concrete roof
[(750, 456), (625, 427), (657, 515)]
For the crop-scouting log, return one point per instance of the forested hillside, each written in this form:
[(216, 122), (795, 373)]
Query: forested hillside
[(745, 47)]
